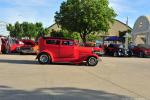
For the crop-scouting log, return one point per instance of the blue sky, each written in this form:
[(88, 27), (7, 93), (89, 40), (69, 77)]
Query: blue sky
[(44, 10)]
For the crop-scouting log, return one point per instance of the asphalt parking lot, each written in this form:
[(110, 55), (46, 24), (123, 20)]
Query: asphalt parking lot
[(22, 78)]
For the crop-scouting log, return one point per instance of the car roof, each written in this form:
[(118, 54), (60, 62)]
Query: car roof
[(57, 38)]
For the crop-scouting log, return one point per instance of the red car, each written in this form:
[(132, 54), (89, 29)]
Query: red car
[(10, 45), (99, 50), (14, 45), (141, 51), (64, 51), (28, 47)]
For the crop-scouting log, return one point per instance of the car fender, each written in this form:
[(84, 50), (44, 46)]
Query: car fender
[(92, 55), (48, 52)]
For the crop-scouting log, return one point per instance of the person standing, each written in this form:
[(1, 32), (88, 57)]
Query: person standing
[(0, 45)]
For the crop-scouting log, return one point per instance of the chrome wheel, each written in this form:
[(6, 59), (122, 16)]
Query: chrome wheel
[(92, 61), (44, 59)]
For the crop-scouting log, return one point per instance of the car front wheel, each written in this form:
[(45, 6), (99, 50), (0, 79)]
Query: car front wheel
[(92, 61), (44, 58)]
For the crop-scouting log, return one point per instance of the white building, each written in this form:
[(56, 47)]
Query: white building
[(3, 29)]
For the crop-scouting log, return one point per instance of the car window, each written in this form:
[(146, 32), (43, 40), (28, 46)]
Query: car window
[(68, 43), (54, 42)]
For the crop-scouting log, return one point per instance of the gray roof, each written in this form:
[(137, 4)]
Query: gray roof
[(142, 25)]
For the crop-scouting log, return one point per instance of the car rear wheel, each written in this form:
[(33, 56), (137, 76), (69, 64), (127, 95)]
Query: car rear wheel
[(44, 58), (92, 61)]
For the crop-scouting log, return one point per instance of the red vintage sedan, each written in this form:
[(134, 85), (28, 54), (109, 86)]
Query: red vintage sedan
[(64, 51)]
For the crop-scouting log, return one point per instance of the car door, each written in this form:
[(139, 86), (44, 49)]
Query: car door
[(53, 45), (67, 49)]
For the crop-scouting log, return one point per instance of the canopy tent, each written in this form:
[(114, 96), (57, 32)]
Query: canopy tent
[(113, 38), (142, 27)]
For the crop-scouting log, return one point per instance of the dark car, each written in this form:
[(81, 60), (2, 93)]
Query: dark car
[(141, 51), (117, 50)]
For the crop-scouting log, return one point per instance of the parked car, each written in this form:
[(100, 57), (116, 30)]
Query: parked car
[(117, 50), (65, 51), (29, 47), (12, 44), (96, 49), (141, 51), (99, 51)]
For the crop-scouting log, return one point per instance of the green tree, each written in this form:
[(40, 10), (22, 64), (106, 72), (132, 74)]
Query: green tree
[(92, 37), (16, 30), (75, 36), (65, 34), (39, 29), (26, 29), (57, 34), (46, 31), (11, 28), (85, 16)]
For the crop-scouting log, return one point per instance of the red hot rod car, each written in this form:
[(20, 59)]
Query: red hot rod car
[(64, 51)]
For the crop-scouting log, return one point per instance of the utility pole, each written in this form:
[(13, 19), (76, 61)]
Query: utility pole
[(126, 35)]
